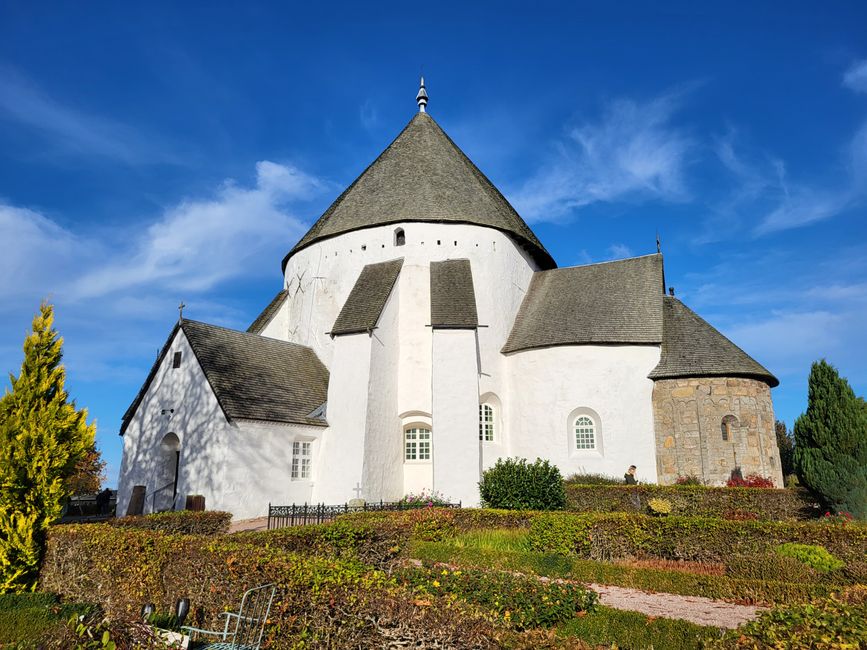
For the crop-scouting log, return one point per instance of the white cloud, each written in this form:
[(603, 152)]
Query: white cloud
[(37, 253), (619, 251), (856, 77), (633, 153), (763, 188), (200, 243), (73, 130)]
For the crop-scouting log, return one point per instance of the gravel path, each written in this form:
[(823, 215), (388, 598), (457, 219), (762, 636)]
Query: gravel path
[(695, 609)]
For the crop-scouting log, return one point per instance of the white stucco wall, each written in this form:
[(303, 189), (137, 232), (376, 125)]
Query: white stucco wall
[(278, 326), (341, 454), (455, 439), (547, 385), (382, 475)]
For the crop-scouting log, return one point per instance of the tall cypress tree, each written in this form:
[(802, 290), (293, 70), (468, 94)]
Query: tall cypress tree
[(831, 442), (42, 437)]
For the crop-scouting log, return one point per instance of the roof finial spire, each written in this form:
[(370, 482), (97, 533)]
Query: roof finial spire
[(421, 98), (181, 312)]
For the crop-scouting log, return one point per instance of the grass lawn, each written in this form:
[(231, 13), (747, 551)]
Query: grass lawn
[(26, 617)]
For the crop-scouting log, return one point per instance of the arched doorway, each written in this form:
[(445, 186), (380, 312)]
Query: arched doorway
[(166, 475)]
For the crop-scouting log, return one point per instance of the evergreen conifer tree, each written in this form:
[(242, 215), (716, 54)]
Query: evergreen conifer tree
[(42, 437), (831, 442)]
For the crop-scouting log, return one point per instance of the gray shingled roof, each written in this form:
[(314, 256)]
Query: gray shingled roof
[(452, 297), (268, 313), (691, 347), (611, 302), (253, 377), (423, 176), (367, 299)]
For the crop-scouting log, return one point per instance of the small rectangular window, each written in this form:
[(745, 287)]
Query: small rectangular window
[(301, 460), (176, 360)]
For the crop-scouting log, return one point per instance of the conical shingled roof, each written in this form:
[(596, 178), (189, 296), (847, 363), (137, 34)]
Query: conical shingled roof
[(423, 176), (692, 347)]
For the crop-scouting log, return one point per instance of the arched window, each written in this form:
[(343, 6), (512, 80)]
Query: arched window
[(399, 237), (417, 441), (585, 432), (728, 425), (486, 423)]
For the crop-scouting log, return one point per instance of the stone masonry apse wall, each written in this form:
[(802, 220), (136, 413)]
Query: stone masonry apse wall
[(689, 416)]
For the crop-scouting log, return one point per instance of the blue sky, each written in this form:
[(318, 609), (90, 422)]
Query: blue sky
[(158, 152)]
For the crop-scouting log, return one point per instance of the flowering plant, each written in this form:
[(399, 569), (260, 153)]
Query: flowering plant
[(751, 481), (426, 499), (842, 517)]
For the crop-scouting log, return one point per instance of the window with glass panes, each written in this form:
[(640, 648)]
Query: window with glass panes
[(585, 433), (416, 443), (300, 460), (486, 423)]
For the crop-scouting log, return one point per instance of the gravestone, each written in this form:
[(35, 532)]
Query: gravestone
[(136, 501), (195, 502)]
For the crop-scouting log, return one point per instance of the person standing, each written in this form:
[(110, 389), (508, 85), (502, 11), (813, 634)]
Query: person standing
[(629, 477)]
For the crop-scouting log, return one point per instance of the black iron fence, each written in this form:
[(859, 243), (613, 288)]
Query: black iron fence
[(301, 515)]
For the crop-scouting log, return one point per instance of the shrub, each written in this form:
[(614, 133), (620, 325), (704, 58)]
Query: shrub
[(619, 535), (690, 479), (814, 556), (751, 481), (829, 623), (594, 479), (520, 601), (659, 506), (515, 484), (759, 591), (182, 522), (324, 601), (694, 500)]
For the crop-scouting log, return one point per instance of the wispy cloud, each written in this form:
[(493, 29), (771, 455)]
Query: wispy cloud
[(199, 243), (765, 194), (36, 252), (634, 152), (856, 77), (69, 129), (619, 251)]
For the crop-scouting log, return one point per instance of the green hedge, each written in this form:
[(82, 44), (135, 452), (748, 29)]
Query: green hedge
[(621, 535), (515, 600), (185, 522), (589, 571), (614, 628), (322, 601), (695, 501)]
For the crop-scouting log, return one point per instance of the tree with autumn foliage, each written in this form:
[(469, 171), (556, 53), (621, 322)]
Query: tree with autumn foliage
[(42, 439), (88, 475)]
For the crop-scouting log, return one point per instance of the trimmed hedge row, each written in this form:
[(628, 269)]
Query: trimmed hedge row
[(322, 602), (695, 501), (659, 580), (516, 600), (184, 522), (621, 535)]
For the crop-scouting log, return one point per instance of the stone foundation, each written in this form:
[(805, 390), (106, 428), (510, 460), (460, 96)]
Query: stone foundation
[(689, 419)]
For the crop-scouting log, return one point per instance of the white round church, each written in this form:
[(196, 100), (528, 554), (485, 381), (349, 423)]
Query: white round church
[(422, 333)]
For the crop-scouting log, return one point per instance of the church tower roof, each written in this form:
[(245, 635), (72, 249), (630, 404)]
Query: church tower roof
[(423, 176)]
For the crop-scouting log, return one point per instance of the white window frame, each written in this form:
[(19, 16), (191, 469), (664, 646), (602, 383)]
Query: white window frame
[(584, 430), (302, 460), (418, 437), (579, 417), (487, 423)]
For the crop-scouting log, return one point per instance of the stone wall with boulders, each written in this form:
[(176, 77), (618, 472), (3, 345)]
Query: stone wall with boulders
[(706, 427)]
